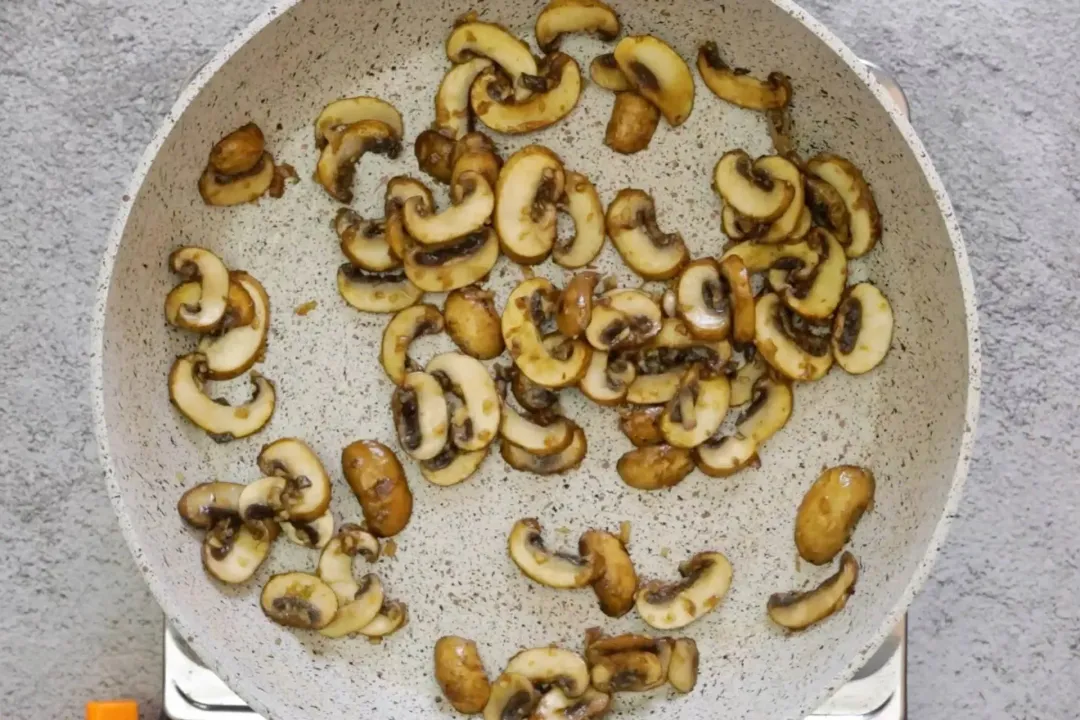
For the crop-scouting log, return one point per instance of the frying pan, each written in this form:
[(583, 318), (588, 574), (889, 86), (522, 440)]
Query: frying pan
[(911, 421)]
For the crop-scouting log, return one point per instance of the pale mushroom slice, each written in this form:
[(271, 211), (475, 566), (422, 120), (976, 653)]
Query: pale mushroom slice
[(737, 227), (339, 114), (862, 329), (434, 150), (758, 257), (376, 292), (232, 551), (557, 89), (623, 319), (233, 352), (658, 73), (405, 327), (359, 600), (769, 412), (540, 436), (575, 16), (817, 293), (696, 411), (473, 323), (649, 251), (582, 203), (556, 705), (205, 504), (743, 319), (472, 38), (221, 421), (532, 397), (223, 190), (456, 221), (607, 381), (683, 670), (420, 416), (706, 578), (307, 492), (456, 265), (475, 420), (783, 170), (749, 190), (605, 72), (737, 86), (364, 242), (452, 115), (398, 191), (538, 563), (848, 180), (787, 347), (805, 224), (393, 616), (528, 308), (615, 581), (312, 534), (701, 300), (201, 265), (632, 124), (240, 308), (336, 167), (800, 610), (575, 306), (530, 184), (561, 462), (746, 376), (653, 389), (655, 467), (512, 697), (631, 671), (552, 667), (452, 466), (299, 600)]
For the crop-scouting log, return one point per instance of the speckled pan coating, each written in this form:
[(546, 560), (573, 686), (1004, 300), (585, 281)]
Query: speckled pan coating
[(911, 420)]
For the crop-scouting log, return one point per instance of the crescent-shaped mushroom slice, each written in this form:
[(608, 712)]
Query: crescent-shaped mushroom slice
[(743, 319), (232, 353), (615, 581), (683, 670), (298, 600), (556, 705), (848, 180), (364, 242), (538, 563), (706, 578), (738, 228), (232, 551), (737, 86), (217, 188), (420, 416), (513, 697), (574, 16), (313, 534), (649, 251), (221, 421), (456, 221), (555, 93), (201, 265), (827, 208), (337, 160), (768, 413), (788, 224), (306, 493), (530, 183), (552, 667), (339, 114), (607, 381), (474, 420), (697, 410), (746, 376), (239, 311), (207, 503), (862, 329), (472, 38), (529, 306), (582, 203), (540, 436), (701, 300), (605, 72), (400, 190), (659, 74), (452, 115), (405, 327), (815, 292), (788, 347), (623, 319), (376, 292), (452, 466), (359, 600), (800, 610), (456, 265), (568, 459), (751, 191), (393, 616), (758, 257)]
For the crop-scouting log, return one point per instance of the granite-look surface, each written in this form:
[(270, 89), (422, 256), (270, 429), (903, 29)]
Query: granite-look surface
[(83, 84)]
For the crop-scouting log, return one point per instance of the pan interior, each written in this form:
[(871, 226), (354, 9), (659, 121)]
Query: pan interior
[(905, 420)]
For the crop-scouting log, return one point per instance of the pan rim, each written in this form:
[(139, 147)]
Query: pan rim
[(208, 649)]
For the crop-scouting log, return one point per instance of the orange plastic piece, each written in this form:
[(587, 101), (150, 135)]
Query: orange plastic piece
[(112, 710)]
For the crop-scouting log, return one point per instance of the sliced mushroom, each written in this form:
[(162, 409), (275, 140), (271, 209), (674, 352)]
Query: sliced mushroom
[(528, 308), (299, 600), (337, 160), (475, 419), (405, 327), (205, 504), (461, 674), (605, 72), (513, 697), (574, 16), (629, 671), (783, 170), (805, 224), (615, 580), (240, 309), (312, 534), (683, 671), (655, 467), (862, 329), (398, 191), (552, 667), (557, 89), (224, 190), (582, 203), (540, 436), (743, 319), (786, 346), (452, 466), (623, 319), (745, 378), (552, 569), (530, 183), (221, 421), (659, 74), (751, 191), (239, 151), (555, 705), (364, 242), (607, 380), (737, 86), (473, 38), (653, 389), (359, 601), (306, 493), (434, 150), (598, 646), (759, 256), (662, 363), (641, 425), (632, 125), (575, 304), (848, 180), (233, 352), (534, 398), (232, 551), (800, 610), (376, 292), (393, 616), (473, 322), (420, 416), (827, 208), (456, 221), (830, 510), (521, 459), (706, 579), (696, 411), (339, 114), (203, 266), (650, 252), (814, 293), (378, 481), (737, 227), (701, 300), (452, 115), (483, 161), (764, 418), (456, 265)]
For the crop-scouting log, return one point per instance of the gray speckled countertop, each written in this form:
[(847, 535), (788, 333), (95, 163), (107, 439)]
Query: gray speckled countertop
[(996, 634)]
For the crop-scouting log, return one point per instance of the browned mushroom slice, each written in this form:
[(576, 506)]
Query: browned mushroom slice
[(630, 671), (208, 310), (800, 610), (751, 191), (848, 180), (574, 16), (781, 169), (221, 189), (623, 319), (453, 266), (239, 151), (461, 674), (575, 304), (299, 600), (568, 459), (615, 580), (376, 292), (830, 510), (641, 425), (530, 183), (407, 325), (236, 350), (788, 345), (737, 86), (632, 125), (337, 161), (814, 292), (220, 420), (605, 72), (743, 319), (379, 483), (434, 150), (582, 203), (555, 93), (696, 411), (473, 322), (659, 74), (205, 504), (452, 115), (452, 466), (473, 154), (655, 467), (768, 413), (701, 300), (552, 569), (513, 697), (532, 397), (420, 416), (339, 114), (473, 38), (364, 242), (529, 307), (398, 191), (650, 252), (607, 381), (706, 578), (827, 208), (456, 221), (862, 329), (305, 494)]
